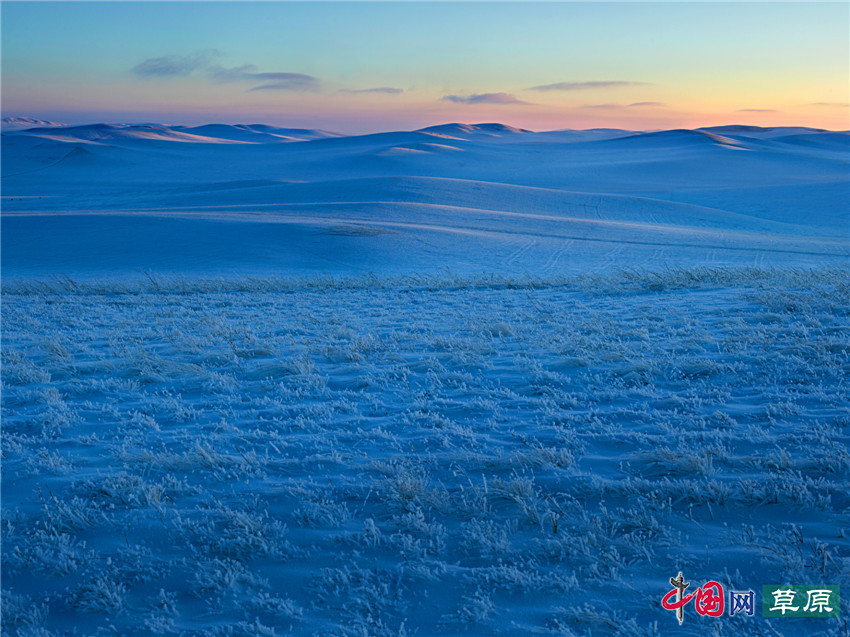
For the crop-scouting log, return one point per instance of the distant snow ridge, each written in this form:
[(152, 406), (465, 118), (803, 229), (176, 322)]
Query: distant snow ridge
[(23, 123), (472, 129), (684, 137), (255, 133), (760, 131), (208, 133)]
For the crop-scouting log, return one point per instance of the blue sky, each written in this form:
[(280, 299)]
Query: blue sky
[(355, 66)]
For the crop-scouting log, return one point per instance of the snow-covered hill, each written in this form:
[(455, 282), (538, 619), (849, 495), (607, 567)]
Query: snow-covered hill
[(23, 123), (472, 198)]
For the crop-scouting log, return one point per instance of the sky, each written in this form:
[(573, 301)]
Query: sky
[(357, 67)]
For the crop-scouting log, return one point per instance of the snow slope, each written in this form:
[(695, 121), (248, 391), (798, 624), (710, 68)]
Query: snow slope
[(414, 201), (22, 123), (433, 456), (470, 379)]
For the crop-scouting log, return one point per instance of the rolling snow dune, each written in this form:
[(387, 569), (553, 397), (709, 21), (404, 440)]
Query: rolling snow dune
[(762, 132), (255, 133), (723, 195), (23, 123)]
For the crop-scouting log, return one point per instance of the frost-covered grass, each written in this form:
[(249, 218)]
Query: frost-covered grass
[(398, 456)]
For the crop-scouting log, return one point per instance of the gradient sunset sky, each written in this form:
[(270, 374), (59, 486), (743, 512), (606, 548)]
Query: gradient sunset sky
[(362, 67)]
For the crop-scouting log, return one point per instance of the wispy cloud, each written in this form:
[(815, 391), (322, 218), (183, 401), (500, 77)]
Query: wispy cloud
[(202, 62), (583, 86), (389, 90), (830, 104), (175, 65), (484, 98), (632, 105), (756, 110), (235, 74), (275, 81), (307, 83)]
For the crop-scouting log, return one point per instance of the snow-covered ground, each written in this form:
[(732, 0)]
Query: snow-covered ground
[(464, 380)]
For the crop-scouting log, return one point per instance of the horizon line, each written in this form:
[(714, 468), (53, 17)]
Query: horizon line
[(52, 124)]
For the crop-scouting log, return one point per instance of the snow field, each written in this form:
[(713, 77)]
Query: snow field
[(433, 455)]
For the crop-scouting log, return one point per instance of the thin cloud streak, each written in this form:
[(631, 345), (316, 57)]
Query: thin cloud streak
[(296, 83), (756, 110), (583, 86), (202, 61), (175, 65), (388, 90), (632, 105), (248, 73), (485, 98)]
